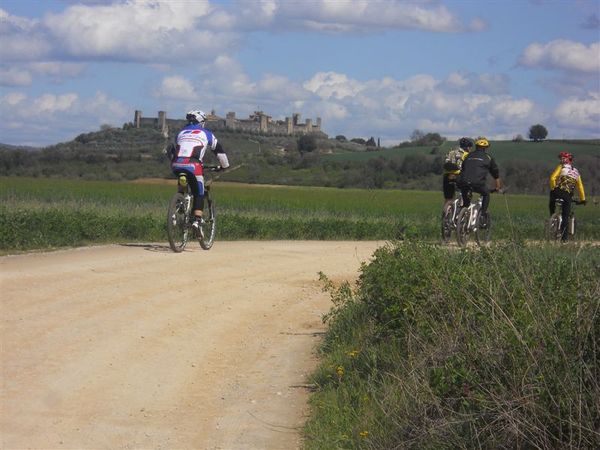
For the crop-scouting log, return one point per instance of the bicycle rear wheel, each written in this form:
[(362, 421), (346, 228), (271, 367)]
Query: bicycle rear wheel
[(462, 227), (446, 223), (483, 234), (208, 228), (553, 227), (177, 222)]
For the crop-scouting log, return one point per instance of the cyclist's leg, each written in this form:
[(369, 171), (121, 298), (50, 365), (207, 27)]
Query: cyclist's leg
[(552, 203), (566, 212), (483, 190), (198, 190), (449, 188), (465, 192)]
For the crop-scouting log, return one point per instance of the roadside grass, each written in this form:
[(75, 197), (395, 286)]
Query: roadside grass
[(37, 213), (490, 348)]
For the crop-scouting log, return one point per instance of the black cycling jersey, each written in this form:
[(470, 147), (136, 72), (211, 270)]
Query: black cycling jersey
[(476, 166)]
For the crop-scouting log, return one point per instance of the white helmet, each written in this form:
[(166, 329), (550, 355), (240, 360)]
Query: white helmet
[(196, 116)]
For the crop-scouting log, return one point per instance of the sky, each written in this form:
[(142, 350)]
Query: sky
[(367, 68)]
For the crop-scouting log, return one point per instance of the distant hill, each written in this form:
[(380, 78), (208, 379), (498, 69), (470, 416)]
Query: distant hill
[(131, 153), (19, 147), (503, 151)]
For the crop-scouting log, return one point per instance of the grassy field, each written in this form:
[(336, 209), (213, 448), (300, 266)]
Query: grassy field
[(46, 213)]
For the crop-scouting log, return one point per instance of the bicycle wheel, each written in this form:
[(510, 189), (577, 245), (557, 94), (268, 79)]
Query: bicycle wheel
[(208, 228), (553, 227), (483, 234), (462, 227), (177, 222), (447, 223)]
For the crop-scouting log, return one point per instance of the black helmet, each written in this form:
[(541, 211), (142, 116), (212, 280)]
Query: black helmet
[(465, 143)]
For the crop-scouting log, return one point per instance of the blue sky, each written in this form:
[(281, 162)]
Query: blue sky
[(367, 68)]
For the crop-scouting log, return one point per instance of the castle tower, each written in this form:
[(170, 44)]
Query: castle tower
[(296, 118), (318, 124), (162, 121), (137, 118), (230, 120), (309, 125), (290, 125), (263, 120)]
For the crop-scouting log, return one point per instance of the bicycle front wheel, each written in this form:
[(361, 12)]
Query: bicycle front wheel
[(208, 228), (177, 223), (553, 227), (483, 233), (462, 227)]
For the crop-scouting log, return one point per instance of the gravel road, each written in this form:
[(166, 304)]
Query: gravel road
[(125, 347)]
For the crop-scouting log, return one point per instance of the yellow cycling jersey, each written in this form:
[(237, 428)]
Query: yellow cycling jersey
[(567, 178)]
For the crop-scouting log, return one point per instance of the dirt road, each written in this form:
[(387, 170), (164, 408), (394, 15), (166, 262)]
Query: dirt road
[(113, 348)]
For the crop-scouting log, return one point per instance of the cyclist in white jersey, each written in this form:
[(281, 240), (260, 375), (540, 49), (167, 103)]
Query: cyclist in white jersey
[(186, 156)]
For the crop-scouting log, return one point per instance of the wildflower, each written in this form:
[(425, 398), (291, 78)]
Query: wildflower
[(364, 434), (339, 371), (353, 353)]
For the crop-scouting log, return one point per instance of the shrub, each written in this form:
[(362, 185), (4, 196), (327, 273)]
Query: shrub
[(497, 348)]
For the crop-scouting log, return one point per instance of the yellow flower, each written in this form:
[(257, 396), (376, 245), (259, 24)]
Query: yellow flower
[(364, 434), (340, 371), (353, 353)]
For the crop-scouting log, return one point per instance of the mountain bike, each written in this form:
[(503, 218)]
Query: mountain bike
[(180, 214), (554, 223), (449, 218), (470, 221)]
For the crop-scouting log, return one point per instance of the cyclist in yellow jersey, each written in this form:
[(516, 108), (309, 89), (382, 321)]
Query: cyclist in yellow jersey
[(563, 182)]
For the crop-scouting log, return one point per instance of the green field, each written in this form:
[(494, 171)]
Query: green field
[(46, 213)]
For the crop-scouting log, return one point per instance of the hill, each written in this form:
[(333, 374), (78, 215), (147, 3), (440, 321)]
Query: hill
[(130, 153)]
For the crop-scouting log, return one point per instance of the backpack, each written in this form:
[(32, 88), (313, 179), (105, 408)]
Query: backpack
[(454, 160)]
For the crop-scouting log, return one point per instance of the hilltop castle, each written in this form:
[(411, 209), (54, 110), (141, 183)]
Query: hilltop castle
[(259, 123)]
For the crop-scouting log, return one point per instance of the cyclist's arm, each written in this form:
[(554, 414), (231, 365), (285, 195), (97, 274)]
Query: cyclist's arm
[(554, 177), (580, 190), (219, 152)]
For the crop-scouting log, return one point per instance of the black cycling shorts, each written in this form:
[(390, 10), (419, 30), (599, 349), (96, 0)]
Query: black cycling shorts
[(449, 185)]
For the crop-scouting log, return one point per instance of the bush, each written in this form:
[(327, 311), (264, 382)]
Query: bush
[(495, 348)]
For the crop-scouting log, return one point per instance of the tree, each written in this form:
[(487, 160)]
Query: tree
[(341, 138), (538, 132), (371, 142), (307, 143), (360, 141)]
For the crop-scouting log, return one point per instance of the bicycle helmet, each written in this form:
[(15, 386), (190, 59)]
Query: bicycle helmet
[(482, 142), (465, 143), (196, 116), (566, 155)]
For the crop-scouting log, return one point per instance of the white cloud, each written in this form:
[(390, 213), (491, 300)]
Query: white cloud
[(51, 118), (138, 30), (580, 113), (176, 87), (21, 39), (332, 85), (351, 16), (14, 76), (562, 54), (51, 103), (57, 68)]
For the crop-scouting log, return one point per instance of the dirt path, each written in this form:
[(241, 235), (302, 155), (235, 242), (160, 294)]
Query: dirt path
[(110, 347)]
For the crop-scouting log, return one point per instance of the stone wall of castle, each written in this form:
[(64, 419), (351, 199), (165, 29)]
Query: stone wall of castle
[(258, 122)]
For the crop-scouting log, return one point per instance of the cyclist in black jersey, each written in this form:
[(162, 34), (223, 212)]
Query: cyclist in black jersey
[(473, 176)]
